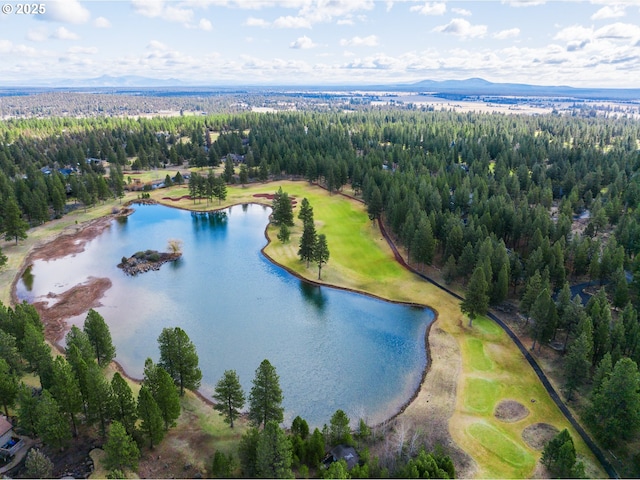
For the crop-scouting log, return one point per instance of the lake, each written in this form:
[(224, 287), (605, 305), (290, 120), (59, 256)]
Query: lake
[(331, 348)]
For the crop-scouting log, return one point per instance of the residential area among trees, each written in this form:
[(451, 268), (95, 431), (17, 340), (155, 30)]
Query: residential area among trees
[(514, 210)]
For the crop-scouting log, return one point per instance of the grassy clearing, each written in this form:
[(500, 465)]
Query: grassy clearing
[(498, 444)]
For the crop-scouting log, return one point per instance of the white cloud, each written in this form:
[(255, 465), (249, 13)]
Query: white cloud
[(256, 22), (462, 28), (609, 11), (7, 47), (303, 43), (370, 41), (506, 34), (435, 8), (345, 21), (619, 30), (101, 22), (82, 50), (461, 11), (160, 9), (291, 22), (63, 33), (65, 11), (37, 34), (205, 25), (524, 3), (320, 11)]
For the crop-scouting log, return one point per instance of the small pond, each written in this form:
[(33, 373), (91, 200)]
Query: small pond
[(332, 349)]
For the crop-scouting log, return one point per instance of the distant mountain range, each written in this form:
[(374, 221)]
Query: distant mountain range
[(460, 88)]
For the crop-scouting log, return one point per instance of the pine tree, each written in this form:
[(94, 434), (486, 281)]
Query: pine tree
[(8, 386), (178, 357), (52, 427), (273, 452), (120, 449), (229, 396), (577, 364), (265, 399), (123, 405), (38, 465), (307, 241), (282, 210), (321, 252), (164, 392), (66, 391), (98, 333), (15, 228), (150, 416), (476, 301)]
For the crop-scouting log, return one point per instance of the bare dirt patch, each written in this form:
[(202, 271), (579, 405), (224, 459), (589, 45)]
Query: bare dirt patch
[(510, 411), (538, 435), (71, 303)]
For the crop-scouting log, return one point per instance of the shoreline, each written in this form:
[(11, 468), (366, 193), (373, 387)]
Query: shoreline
[(93, 228)]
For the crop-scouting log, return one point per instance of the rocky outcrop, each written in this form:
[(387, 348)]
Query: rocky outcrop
[(142, 262)]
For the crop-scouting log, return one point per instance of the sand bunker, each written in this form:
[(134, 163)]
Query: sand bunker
[(510, 411), (539, 434)]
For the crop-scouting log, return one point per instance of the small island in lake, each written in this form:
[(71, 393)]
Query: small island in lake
[(147, 260)]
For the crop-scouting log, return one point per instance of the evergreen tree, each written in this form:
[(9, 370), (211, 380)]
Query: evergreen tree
[(98, 334), (265, 398), (321, 252), (339, 429), (66, 391), (306, 211), (178, 357), (615, 406), (27, 410), (545, 318), (229, 396), (120, 449), (8, 386), (559, 456), (273, 452), (51, 426), (150, 416), (38, 465), (99, 399), (476, 301), (307, 240), (247, 451), (284, 234), (374, 204), (282, 210), (577, 363), (15, 228), (163, 390), (123, 404)]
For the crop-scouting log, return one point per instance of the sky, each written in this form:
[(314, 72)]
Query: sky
[(592, 43)]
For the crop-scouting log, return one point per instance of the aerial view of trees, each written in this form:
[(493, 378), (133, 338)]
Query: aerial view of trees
[(515, 210)]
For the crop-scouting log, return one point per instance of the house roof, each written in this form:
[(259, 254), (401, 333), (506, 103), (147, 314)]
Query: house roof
[(5, 425), (346, 453)]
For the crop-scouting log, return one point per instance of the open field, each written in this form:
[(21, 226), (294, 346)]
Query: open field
[(472, 369)]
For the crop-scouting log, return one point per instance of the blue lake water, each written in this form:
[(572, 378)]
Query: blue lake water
[(332, 349)]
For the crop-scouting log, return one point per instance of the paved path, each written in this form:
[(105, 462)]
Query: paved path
[(20, 454)]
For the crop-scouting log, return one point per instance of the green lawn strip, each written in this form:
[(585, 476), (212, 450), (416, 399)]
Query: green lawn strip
[(478, 359), (505, 458), (481, 395)]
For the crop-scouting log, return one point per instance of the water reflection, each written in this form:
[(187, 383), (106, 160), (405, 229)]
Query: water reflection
[(313, 294), (27, 279)]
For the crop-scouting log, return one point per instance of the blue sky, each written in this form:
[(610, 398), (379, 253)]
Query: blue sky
[(292, 42)]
